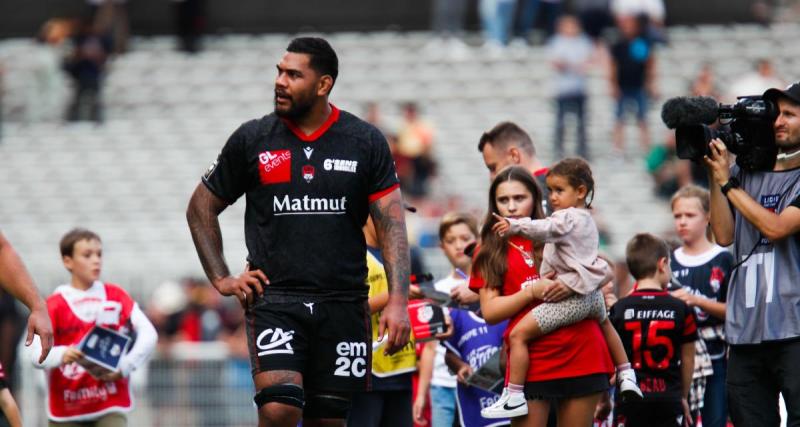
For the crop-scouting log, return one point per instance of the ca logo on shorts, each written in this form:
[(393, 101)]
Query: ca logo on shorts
[(277, 342)]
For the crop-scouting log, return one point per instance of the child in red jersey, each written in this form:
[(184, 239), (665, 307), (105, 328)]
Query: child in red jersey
[(77, 395), (658, 332), (8, 406)]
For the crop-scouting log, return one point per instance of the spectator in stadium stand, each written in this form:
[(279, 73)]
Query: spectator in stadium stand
[(110, 17), (669, 173), (530, 10), (705, 83), (311, 174), (449, 17), (497, 17), (763, 77), (15, 279), (649, 13), (415, 142), (571, 364), (570, 53), (703, 269), (86, 65), (595, 17), (190, 23), (80, 391), (46, 86), (632, 78), (759, 213), (201, 319), (507, 144)]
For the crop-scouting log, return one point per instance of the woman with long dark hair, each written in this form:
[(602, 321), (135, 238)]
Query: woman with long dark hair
[(570, 364)]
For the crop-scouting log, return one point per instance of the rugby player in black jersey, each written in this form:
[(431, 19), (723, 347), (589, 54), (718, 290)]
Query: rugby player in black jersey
[(311, 175)]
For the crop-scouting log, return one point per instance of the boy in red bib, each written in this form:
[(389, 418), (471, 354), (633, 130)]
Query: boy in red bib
[(76, 395)]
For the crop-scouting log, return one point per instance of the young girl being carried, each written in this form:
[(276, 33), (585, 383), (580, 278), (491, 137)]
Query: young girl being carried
[(570, 252)]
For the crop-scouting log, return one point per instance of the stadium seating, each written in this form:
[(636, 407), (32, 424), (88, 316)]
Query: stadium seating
[(168, 114)]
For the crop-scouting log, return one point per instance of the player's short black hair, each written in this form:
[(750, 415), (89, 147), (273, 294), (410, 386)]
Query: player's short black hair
[(323, 57), (507, 134)]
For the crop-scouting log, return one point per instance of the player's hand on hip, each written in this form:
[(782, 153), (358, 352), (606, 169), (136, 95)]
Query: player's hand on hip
[(502, 226), (39, 324), (717, 161), (244, 287), (394, 322)]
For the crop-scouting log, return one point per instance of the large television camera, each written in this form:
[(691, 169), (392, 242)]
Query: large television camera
[(745, 128)]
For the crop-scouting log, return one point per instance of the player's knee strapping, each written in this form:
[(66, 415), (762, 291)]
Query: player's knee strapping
[(327, 406), (288, 394)]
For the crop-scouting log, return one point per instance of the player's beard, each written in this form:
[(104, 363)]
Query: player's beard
[(299, 106)]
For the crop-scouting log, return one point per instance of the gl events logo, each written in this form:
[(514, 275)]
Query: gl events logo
[(275, 166)]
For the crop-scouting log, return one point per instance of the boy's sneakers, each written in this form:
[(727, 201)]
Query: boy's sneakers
[(628, 388), (509, 405)]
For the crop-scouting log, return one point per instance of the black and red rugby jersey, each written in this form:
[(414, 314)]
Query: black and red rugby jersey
[(653, 326), (307, 198)]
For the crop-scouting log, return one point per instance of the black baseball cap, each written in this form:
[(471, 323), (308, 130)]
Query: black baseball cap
[(792, 92)]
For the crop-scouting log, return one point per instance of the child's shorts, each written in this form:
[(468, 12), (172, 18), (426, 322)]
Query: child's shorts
[(553, 315)]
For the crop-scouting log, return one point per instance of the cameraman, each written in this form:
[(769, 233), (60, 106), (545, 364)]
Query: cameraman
[(759, 212)]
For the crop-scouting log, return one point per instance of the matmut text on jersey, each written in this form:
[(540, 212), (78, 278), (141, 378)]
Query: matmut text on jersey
[(307, 198), (308, 205)]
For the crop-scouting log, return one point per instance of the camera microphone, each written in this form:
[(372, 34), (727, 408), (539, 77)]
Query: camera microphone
[(689, 110)]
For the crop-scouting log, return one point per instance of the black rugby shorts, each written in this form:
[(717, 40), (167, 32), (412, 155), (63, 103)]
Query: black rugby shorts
[(329, 343), (649, 414)]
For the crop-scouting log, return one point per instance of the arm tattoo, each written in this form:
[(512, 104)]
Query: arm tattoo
[(202, 215), (390, 226)]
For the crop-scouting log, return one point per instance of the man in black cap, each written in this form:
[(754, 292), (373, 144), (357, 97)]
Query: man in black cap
[(759, 213)]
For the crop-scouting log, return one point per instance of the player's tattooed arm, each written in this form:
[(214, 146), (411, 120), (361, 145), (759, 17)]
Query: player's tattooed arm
[(390, 225), (202, 215), (388, 215)]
